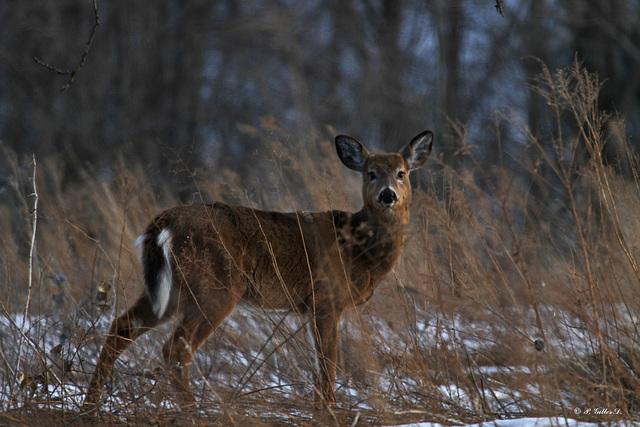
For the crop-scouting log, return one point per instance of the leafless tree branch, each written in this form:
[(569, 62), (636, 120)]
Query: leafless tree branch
[(72, 73), (499, 7)]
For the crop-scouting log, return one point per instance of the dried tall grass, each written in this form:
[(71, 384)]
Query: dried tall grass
[(518, 292)]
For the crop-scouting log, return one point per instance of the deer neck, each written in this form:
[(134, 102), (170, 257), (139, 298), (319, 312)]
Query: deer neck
[(388, 229), (371, 238)]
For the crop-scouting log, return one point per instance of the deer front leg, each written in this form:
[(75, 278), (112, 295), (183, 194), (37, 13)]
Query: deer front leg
[(324, 329)]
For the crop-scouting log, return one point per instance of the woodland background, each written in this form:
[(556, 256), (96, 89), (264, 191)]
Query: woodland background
[(179, 79)]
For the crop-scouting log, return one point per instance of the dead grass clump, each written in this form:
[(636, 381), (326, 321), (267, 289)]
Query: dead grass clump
[(518, 292)]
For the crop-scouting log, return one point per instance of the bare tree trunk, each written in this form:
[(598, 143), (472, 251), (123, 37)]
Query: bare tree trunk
[(607, 39), (451, 22), (392, 66)]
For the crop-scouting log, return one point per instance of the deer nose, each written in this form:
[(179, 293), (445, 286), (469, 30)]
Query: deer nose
[(387, 197)]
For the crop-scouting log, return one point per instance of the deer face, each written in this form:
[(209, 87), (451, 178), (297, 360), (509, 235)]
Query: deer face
[(386, 189), (386, 183)]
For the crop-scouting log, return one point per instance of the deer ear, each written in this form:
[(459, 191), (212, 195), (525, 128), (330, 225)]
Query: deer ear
[(352, 153), (417, 151)]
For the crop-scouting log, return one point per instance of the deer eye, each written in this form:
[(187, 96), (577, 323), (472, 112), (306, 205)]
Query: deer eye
[(372, 176), (401, 175)]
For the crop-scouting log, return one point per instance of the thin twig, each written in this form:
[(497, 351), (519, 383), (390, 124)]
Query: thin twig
[(85, 54), (34, 223)]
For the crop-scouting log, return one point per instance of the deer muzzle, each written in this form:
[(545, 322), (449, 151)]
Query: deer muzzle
[(387, 197)]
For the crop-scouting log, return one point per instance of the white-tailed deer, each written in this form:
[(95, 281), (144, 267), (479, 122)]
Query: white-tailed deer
[(201, 260)]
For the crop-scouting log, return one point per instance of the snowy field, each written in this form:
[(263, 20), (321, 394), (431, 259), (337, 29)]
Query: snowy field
[(448, 370)]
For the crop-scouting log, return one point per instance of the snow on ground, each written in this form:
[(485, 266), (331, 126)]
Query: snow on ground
[(248, 356), (527, 422)]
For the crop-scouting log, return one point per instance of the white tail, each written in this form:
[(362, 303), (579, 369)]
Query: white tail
[(200, 260)]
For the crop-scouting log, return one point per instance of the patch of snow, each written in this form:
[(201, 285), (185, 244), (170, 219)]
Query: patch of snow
[(527, 422)]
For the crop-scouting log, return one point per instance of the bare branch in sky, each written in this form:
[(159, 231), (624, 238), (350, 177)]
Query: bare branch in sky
[(85, 54)]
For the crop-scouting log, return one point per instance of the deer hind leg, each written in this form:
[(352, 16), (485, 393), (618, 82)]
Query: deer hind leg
[(139, 319), (324, 330), (191, 331)]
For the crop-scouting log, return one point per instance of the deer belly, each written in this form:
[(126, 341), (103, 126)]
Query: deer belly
[(275, 285)]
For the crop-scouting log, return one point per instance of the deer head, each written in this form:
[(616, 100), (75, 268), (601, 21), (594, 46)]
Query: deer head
[(386, 189)]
